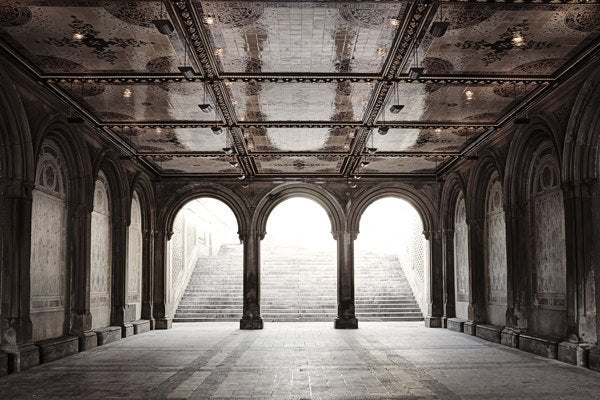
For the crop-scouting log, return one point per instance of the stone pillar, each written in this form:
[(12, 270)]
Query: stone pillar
[(15, 246), (161, 317), (436, 282), (581, 217), (147, 275), (251, 318), (346, 318), (476, 310), (517, 273), (81, 317), (120, 315), (448, 276)]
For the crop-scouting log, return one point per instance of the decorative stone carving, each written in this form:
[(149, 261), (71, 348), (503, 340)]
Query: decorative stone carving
[(495, 262), (48, 246), (461, 254), (134, 257), (101, 255)]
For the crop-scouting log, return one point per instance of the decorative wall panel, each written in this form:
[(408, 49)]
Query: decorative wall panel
[(101, 255), (548, 222), (49, 247), (134, 257), (176, 241), (461, 254), (495, 246)]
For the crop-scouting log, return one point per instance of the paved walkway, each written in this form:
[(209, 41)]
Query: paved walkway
[(304, 361)]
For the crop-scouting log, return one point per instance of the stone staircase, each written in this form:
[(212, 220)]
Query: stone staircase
[(297, 285)]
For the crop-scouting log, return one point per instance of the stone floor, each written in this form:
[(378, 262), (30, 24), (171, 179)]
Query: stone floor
[(381, 360)]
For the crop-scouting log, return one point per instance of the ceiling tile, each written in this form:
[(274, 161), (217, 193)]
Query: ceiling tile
[(505, 39), (299, 139), (172, 139), (450, 102), (302, 36), (401, 165), (342, 101), (299, 165), (116, 36), (440, 139), (143, 102), (194, 164)]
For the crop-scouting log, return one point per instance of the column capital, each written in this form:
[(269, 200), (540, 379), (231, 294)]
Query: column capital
[(16, 188), (339, 234)]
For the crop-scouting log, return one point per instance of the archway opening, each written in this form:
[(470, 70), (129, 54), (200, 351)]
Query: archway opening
[(298, 264), (205, 263), (391, 263)]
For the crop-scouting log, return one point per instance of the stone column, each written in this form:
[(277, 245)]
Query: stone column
[(251, 318), (161, 317), (436, 282), (147, 275), (346, 318), (81, 316), (120, 309), (476, 310), (15, 246), (448, 276), (581, 217)]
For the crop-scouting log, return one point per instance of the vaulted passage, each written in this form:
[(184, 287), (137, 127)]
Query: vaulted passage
[(400, 198), (298, 264), (206, 266), (390, 263)]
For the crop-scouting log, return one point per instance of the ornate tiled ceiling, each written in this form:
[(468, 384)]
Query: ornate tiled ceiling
[(298, 88)]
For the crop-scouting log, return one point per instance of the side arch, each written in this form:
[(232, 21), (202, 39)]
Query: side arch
[(454, 185), (176, 201), (490, 162), (286, 191), (424, 207), (580, 154)]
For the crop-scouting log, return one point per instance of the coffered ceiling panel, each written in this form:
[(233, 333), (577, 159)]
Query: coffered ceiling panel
[(505, 39), (455, 103), (172, 139), (90, 36), (401, 165), (195, 164), (143, 102), (301, 36), (424, 140), (299, 165), (299, 139), (343, 101)]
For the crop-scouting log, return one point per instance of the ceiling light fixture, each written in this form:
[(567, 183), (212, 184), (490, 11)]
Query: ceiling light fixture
[(357, 177), (523, 120), (396, 108), (394, 21), (352, 184), (381, 51), (187, 70), (164, 26), (78, 36), (364, 163), (228, 150), (469, 95), (158, 129), (371, 150), (234, 164), (205, 107), (383, 130), (217, 130), (127, 93), (439, 28), (415, 72), (517, 40), (209, 19), (438, 130), (242, 177), (219, 51)]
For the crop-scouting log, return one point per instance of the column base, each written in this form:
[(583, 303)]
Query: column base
[(87, 340), (23, 357), (251, 323), (433, 322), (163, 323), (346, 323)]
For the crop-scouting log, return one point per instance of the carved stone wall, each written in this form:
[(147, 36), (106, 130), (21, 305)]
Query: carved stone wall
[(48, 247), (549, 284), (101, 257), (134, 258), (461, 258), (495, 261)]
